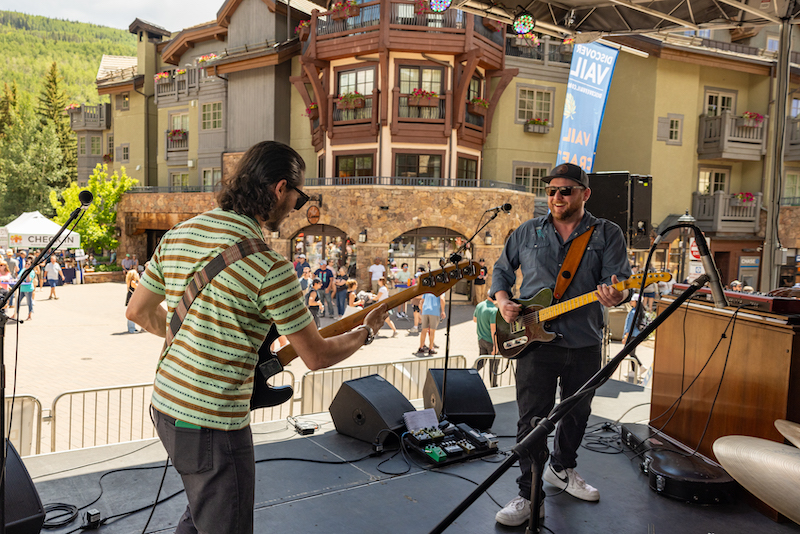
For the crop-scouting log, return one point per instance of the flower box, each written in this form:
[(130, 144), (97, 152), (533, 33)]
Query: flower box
[(344, 14), (566, 49), (354, 103), (176, 135), (537, 128), (303, 33), (522, 42), (477, 109), (492, 25), (747, 122), (422, 7), (312, 113), (737, 202), (423, 101)]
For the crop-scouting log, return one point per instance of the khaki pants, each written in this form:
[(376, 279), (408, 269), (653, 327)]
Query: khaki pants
[(479, 293)]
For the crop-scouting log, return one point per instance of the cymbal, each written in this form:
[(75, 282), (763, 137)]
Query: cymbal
[(767, 469), (790, 430)]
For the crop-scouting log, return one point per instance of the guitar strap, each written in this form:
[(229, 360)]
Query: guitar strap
[(571, 263)]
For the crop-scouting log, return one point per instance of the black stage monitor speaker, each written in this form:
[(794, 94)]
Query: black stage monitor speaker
[(23, 508), (467, 398), (366, 406), (625, 199)]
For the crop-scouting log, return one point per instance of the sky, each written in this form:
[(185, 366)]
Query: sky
[(174, 15)]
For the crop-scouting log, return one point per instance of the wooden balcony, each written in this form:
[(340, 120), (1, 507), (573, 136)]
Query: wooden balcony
[(723, 212), (90, 117), (792, 150), (727, 137), (176, 148), (549, 52), (176, 85)]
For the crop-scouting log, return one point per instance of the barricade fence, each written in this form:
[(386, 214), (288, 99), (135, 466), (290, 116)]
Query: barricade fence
[(23, 418)]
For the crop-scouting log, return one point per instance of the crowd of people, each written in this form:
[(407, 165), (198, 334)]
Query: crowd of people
[(16, 264)]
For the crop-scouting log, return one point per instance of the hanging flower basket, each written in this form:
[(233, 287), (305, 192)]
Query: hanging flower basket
[(421, 7), (750, 119), (478, 106), (344, 10), (303, 30), (312, 111), (425, 99), (492, 25), (742, 199), (177, 135), (537, 128), (526, 42), (352, 100)]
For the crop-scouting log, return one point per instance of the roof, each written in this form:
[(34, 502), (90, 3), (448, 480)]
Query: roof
[(149, 27), (117, 68), (304, 6), (33, 223)]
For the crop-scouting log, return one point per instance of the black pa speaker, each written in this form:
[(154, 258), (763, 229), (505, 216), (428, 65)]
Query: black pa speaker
[(467, 397), (366, 406), (23, 508)]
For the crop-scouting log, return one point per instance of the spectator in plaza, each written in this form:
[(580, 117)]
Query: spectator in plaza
[(383, 294), (6, 282), (26, 288), (313, 300), (21, 256), (629, 331), (326, 277), (202, 410), (748, 289), (484, 316), (432, 310), (376, 271), (402, 278), (354, 304), (131, 282), (650, 294), (53, 273), (306, 279), (135, 263), (302, 264), (39, 278), (341, 291), (736, 285), (479, 293), (416, 303), (11, 261), (127, 263)]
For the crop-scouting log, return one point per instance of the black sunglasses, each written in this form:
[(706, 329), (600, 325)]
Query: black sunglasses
[(564, 190), (301, 200)]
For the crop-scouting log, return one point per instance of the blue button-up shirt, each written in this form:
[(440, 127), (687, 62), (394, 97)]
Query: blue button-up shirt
[(536, 248)]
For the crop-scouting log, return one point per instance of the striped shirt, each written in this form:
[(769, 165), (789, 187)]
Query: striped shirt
[(206, 376)]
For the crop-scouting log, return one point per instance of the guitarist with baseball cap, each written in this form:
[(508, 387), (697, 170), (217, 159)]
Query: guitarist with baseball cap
[(540, 249)]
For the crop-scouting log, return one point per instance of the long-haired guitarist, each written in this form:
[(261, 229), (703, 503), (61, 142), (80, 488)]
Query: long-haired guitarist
[(204, 379), (539, 248)]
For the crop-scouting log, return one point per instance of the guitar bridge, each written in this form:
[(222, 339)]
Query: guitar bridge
[(511, 343)]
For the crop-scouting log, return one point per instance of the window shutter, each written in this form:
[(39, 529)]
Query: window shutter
[(662, 134), (118, 154), (117, 101)]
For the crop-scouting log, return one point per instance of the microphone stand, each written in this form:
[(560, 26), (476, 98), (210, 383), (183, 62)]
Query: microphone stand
[(538, 436), (455, 258), (3, 321)]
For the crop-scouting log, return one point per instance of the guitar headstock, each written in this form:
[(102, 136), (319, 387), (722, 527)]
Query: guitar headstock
[(439, 281), (652, 278)]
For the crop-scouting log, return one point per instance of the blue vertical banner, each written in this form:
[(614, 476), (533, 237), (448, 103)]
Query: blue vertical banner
[(587, 91)]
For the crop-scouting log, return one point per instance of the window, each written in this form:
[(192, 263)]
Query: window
[(425, 78), (211, 177), (212, 116), (357, 81), (474, 90), (795, 107), (418, 165), (535, 103), (467, 170), (791, 189), (348, 166), (712, 180), (123, 101), (125, 155), (674, 129), (717, 102), (670, 129), (530, 177), (773, 43), (110, 142), (96, 146), (82, 145), (179, 121), (179, 179), (703, 34)]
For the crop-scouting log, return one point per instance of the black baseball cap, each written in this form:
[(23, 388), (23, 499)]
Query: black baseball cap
[(571, 172)]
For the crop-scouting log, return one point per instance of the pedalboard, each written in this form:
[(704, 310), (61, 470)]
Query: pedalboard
[(448, 443)]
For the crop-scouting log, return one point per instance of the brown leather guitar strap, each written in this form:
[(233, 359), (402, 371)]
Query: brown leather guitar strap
[(571, 262)]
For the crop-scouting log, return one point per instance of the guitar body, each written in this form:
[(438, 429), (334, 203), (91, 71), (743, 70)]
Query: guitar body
[(264, 395), (513, 338)]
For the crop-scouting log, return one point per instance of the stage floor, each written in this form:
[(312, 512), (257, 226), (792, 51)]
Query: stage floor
[(356, 497)]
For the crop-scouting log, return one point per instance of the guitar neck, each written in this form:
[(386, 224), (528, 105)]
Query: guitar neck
[(550, 312)]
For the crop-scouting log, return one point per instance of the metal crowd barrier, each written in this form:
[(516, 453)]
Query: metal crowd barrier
[(25, 424)]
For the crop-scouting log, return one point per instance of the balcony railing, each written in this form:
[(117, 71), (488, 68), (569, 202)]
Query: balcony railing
[(792, 151), (404, 111), (790, 201), (723, 212), (727, 136), (473, 119), (420, 181), (178, 84), (91, 117), (175, 144), (495, 37), (368, 15), (357, 114), (548, 51), (174, 189), (403, 14)]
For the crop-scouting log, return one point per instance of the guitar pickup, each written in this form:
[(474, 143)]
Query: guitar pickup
[(516, 327), (511, 343)]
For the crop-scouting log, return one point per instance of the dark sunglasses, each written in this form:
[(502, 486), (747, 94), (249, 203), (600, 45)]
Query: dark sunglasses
[(301, 200), (565, 190)]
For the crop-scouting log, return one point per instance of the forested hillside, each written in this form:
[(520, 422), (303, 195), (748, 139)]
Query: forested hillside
[(30, 44)]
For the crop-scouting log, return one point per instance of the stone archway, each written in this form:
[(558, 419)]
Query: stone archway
[(323, 241)]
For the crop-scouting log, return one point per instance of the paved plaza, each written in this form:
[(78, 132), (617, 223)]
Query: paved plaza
[(80, 341)]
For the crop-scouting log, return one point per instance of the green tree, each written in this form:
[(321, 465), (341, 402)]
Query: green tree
[(51, 110), (30, 164), (98, 225), (8, 102)]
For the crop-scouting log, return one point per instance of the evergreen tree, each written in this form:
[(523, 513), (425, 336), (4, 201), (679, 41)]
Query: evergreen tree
[(30, 164), (51, 110), (8, 103), (98, 225)]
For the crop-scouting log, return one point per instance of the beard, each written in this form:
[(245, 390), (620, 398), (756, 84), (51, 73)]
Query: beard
[(567, 214), (279, 213)]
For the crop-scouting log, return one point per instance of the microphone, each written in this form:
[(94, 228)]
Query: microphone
[(711, 269), (505, 208), (85, 197)]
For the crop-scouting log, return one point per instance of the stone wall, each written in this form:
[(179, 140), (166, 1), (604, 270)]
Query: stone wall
[(789, 225), (350, 209)]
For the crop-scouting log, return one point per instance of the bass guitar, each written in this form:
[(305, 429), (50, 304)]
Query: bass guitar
[(528, 328), (271, 363)]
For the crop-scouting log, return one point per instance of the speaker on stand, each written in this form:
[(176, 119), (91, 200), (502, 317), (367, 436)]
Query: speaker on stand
[(24, 513)]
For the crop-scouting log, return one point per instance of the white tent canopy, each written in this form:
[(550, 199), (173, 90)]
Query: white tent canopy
[(34, 230)]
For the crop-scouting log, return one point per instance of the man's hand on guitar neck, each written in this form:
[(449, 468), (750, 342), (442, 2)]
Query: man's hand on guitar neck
[(608, 296), (508, 308)]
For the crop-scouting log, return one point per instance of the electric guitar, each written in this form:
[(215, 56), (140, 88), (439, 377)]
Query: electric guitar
[(528, 328), (270, 363)]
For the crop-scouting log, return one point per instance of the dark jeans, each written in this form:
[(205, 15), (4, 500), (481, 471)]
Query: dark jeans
[(218, 470), (327, 302), (538, 372), (341, 300), (315, 314)]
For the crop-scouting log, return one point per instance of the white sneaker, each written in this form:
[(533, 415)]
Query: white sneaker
[(574, 484), (517, 512)]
